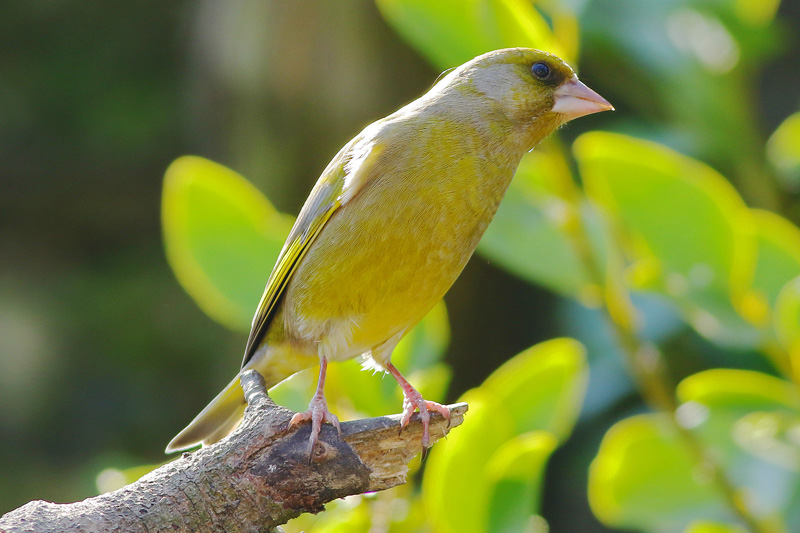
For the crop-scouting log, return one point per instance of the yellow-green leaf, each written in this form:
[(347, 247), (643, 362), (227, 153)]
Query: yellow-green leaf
[(539, 391), (681, 218), (456, 485), (543, 387), (748, 388), (778, 262), (516, 471), (222, 237), (703, 526), (451, 32), (783, 150), (786, 322), (645, 478)]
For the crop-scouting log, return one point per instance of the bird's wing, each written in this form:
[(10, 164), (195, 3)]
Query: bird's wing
[(344, 177)]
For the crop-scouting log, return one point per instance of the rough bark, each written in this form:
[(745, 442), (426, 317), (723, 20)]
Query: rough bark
[(254, 480)]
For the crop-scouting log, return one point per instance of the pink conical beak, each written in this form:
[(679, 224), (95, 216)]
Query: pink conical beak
[(574, 99)]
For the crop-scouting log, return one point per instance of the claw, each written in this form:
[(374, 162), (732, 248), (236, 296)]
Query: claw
[(317, 412), (415, 402)]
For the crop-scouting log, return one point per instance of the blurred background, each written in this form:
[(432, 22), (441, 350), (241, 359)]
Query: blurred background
[(104, 357)]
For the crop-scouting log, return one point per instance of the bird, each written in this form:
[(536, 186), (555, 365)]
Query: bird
[(390, 225)]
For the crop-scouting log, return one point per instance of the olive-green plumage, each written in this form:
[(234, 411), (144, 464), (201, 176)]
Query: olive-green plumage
[(395, 217)]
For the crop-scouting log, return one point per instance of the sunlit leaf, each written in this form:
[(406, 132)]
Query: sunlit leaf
[(397, 510), (703, 526), (542, 388), (783, 150), (451, 32), (221, 236), (645, 478), (746, 388), (778, 262), (456, 484), (748, 421), (516, 471), (757, 12), (683, 219), (787, 321)]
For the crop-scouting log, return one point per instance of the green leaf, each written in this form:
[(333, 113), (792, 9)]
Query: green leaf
[(516, 471), (543, 387), (539, 391), (456, 485), (783, 151), (451, 32), (222, 238), (787, 319), (722, 387), (746, 421), (683, 220), (778, 262), (644, 478), (703, 526)]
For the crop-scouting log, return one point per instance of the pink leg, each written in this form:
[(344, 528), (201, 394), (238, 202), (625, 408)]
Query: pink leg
[(317, 411), (413, 402)]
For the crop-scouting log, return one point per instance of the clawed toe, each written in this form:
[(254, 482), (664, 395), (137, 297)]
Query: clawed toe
[(318, 414), (412, 404)]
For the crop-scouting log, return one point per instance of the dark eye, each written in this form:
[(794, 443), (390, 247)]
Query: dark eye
[(540, 70)]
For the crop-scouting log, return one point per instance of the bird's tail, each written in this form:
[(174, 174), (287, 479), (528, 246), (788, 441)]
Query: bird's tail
[(218, 419), (223, 414)]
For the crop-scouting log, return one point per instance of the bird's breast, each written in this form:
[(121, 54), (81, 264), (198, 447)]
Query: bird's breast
[(386, 257)]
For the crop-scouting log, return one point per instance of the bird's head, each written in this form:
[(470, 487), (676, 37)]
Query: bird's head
[(535, 90)]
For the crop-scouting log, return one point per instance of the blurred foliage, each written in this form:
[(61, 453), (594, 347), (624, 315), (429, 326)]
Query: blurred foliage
[(669, 247)]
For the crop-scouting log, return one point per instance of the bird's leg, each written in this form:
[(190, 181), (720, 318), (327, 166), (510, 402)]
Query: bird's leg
[(415, 402), (317, 411)]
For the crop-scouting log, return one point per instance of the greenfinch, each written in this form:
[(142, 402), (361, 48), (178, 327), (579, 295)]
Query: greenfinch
[(390, 224)]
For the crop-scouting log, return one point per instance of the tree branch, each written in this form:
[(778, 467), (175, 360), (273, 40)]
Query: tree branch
[(254, 480)]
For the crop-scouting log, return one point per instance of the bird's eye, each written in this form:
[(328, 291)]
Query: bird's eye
[(540, 70)]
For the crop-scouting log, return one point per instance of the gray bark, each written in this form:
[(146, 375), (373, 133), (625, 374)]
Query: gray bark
[(254, 480)]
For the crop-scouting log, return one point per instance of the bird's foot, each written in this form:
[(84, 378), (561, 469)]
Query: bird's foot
[(317, 414), (415, 402)]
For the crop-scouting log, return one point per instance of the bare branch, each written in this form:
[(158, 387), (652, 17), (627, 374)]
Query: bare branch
[(254, 480)]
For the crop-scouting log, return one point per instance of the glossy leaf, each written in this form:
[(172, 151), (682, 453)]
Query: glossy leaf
[(542, 388), (451, 32), (222, 238), (739, 388), (644, 478), (456, 484), (539, 391), (703, 526), (684, 221), (783, 150), (517, 471), (787, 322), (746, 420), (778, 262)]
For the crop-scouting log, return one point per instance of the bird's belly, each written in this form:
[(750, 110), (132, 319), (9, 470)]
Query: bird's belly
[(371, 276)]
